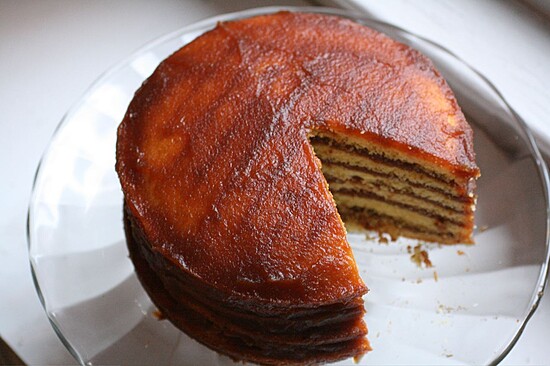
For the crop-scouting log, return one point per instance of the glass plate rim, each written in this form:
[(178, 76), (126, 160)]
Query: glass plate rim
[(542, 168)]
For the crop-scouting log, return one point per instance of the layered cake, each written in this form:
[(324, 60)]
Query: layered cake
[(242, 153)]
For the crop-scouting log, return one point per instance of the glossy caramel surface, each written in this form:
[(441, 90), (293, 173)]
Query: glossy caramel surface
[(215, 163)]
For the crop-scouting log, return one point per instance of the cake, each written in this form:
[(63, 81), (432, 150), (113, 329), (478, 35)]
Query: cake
[(242, 153)]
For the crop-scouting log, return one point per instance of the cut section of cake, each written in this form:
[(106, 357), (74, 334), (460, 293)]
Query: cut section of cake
[(234, 224), (376, 188)]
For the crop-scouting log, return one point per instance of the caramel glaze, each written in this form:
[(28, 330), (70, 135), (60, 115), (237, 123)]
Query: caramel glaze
[(215, 163), (317, 327), (216, 336)]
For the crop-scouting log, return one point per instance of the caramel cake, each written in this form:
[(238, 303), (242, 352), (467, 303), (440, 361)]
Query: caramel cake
[(240, 155)]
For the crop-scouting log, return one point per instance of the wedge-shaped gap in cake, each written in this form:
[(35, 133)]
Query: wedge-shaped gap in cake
[(379, 188)]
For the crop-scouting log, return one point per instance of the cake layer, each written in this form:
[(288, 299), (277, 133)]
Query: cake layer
[(334, 151), (382, 192), (357, 176), (375, 151), (400, 214), (285, 325), (363, 219)]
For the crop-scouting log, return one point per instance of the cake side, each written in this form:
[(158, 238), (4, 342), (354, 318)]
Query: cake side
[(218, 335)]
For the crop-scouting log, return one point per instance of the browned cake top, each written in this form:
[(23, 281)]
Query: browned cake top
[(215, 163)]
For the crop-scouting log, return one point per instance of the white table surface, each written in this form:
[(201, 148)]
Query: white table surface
[(51, 51)]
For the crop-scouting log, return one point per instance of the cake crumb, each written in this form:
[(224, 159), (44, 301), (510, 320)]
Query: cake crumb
[(460, 252), (442, 309), (483, 228), (369, 236), (436, 277), (157, 314), (449, 355), (419, 280), (420, 257), (356, 359), (383, 240)]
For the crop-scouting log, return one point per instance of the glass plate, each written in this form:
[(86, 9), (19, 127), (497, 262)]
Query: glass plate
[(470, 308)]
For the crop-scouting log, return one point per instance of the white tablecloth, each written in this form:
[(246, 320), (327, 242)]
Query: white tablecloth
[(50, 51)]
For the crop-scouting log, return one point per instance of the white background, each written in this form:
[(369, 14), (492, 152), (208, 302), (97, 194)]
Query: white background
[(51, 51)]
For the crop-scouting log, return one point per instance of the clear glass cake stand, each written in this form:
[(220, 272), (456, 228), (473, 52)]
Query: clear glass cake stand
[(470, 308)]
